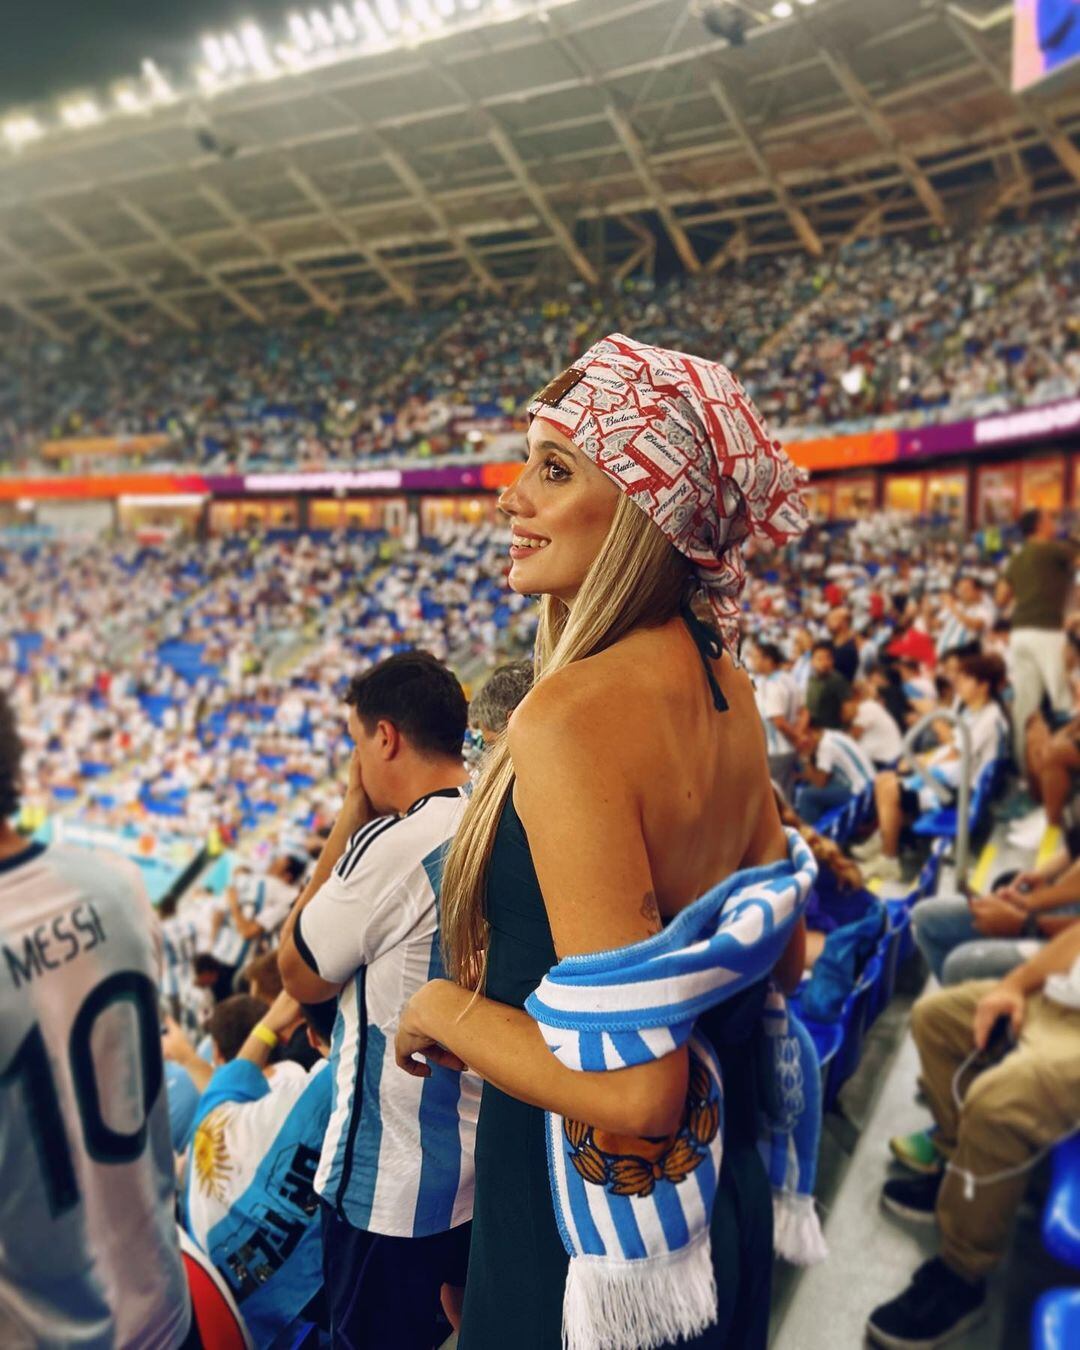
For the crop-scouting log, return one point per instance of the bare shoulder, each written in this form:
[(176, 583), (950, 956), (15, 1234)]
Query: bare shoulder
[(585, 703)]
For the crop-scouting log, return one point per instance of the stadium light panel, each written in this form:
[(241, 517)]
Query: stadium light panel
[(160, 88), (234, 51), (782, 10), (369, 24), (343, 23), (320, 26), (470, 4), (301, 33), (424, 14), (289, 56), (216, 60), (254, 44), (806, 2), (19, 131), (80, 112), (127, 100), (389, 14), (445, 7)]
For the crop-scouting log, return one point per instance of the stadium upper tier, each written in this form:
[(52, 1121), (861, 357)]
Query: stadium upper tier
[(891, 331)]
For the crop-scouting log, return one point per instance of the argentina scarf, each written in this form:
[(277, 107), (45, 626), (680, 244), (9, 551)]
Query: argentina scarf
[(634, 1214)]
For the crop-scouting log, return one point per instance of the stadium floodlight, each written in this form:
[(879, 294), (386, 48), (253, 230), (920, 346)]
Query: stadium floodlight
[(216, 60), (21, 130), (470, 4), (160, 88), (445, 7), (389, 14), (289, 56), (127, 100), (234, 50), (320, 26), (301, 33), (369, 24), (423, 13), (806, 2), (782, 10), (254, 44), (342, 22), (80, 112)]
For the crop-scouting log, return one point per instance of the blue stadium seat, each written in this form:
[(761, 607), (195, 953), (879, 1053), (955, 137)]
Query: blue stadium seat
[(1055, 1321), (853, 1025), (1061, 1217), (889, 953), (941, 823)]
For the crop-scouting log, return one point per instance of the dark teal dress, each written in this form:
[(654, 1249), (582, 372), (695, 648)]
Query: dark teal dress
[(517, 1263)]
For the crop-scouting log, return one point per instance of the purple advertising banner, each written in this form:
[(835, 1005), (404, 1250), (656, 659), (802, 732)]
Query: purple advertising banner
[(1003, 429)]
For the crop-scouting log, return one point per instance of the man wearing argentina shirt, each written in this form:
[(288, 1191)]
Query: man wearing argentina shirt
[(395, 1175), (838, 769), (966, 616)]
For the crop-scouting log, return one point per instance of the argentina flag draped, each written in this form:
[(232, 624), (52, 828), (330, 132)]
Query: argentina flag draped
[(634, 1213)]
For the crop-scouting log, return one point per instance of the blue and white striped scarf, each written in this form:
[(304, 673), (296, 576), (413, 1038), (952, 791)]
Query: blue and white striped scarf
[(634, 1214)]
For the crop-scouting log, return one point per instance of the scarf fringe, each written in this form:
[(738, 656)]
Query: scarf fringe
[(797, 1233), (639, 1304)]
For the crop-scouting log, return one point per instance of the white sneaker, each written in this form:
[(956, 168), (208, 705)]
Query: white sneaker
[(869, 848), (882, 869)]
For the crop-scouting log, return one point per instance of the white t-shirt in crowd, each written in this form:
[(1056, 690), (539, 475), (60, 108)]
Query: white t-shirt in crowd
[(879, 735)]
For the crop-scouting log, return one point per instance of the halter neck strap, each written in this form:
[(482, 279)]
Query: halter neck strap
[(711, 649)]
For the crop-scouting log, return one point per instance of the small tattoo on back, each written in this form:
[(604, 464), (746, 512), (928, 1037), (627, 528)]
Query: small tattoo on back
[(649, 909)]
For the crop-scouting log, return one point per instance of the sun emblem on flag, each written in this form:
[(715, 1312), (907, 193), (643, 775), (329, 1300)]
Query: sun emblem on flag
[(210, 1155), (629, 1165)]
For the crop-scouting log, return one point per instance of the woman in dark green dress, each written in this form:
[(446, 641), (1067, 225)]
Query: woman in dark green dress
[(632, 779)]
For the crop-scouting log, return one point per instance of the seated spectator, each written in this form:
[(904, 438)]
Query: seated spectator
[(988, 936), (834, 769), (1013, 1107), (229, 1027), (826, 690), (247, 1196), (254, 909), (915, 658), (965, 616), (873, 726), (902, 796), (490, 710)]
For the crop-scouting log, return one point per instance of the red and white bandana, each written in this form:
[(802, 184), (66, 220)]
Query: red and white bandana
[(681, 436)]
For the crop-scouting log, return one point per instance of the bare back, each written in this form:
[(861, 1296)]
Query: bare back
[(701, 776)]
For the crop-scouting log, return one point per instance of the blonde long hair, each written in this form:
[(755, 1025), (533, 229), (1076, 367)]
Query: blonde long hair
[(637, 580)]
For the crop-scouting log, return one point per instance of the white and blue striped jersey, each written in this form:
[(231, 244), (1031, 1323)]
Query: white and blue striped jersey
[(248, 1197), (838, 754), (268, 901), (954, 633), (398, 1153), (89, 1256)]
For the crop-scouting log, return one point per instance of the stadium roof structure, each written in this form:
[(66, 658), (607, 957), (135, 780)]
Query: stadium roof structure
[(577, 140)]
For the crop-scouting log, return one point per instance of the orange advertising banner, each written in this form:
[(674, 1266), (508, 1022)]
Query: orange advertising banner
[(845, 452)]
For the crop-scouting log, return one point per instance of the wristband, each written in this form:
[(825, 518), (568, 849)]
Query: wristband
[(267, 1035)]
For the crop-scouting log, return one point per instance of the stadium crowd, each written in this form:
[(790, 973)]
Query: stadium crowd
[(854, 637), (892, 330)]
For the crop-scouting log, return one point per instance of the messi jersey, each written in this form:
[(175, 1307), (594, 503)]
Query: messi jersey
[(248, 1194), (88, 1244)]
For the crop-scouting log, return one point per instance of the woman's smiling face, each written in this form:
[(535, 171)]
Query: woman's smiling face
[(560, 508)]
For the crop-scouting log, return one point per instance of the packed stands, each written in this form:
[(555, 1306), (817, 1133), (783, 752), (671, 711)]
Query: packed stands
[(892, 331)]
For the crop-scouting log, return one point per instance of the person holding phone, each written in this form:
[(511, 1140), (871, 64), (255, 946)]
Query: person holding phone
[(1014, 1105)]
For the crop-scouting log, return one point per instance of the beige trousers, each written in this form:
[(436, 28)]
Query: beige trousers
[(1010, 1111)]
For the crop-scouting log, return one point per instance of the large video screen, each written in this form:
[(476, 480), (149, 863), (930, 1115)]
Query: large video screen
[(1046, 42)]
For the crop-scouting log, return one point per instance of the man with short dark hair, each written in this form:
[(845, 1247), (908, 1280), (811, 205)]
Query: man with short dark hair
[(228, 1027), (90, 1253), (826, 691), (396, 1171), (1038, 579)]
